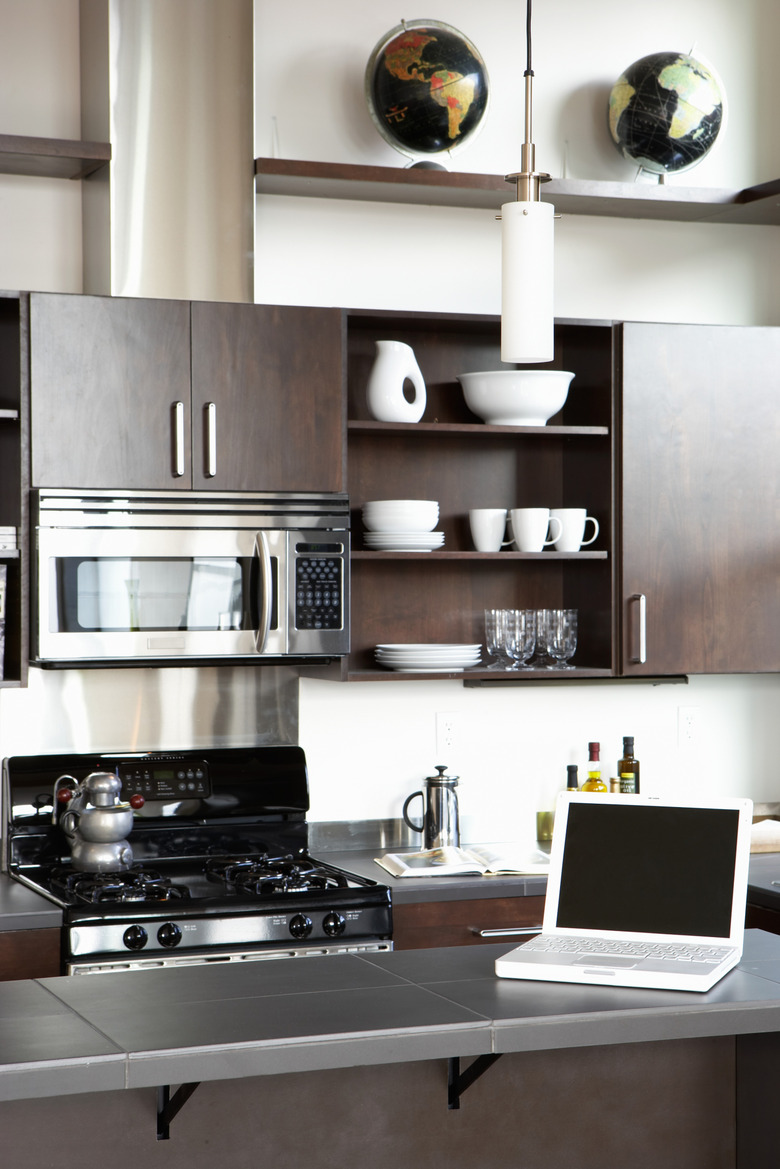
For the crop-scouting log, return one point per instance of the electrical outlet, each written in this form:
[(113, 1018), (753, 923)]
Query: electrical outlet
[(445, 736), (687, 725)]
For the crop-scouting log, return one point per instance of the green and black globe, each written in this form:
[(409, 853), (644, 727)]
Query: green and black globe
[(665, 112), (426, 88)]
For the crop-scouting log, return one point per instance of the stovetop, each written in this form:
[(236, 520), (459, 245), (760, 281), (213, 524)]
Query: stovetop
[(220, 854)]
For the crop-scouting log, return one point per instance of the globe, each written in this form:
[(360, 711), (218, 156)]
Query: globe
[(665, 112), (426, 88)]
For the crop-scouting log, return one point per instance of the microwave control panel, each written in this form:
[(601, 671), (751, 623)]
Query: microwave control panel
[(319, 585)]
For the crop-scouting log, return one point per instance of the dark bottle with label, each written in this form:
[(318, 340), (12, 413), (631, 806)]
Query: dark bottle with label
[(594, 782), (572, 780), (628, 768)]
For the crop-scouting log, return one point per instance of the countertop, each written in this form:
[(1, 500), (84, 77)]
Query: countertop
[(98, 1033)]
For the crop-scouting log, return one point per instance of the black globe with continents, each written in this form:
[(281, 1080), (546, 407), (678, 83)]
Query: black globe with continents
[(665, 112), (426, 88)]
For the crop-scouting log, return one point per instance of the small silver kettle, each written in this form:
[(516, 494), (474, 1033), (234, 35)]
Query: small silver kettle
[(440, 824), (96, 822)]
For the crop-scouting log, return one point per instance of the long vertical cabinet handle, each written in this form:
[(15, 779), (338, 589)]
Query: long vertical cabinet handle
[(178, 439), (211, 440), (638, 603)]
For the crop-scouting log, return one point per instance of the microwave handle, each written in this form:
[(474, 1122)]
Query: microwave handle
[(265, 591)]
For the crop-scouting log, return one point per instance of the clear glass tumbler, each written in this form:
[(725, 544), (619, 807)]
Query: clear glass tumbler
[(495, 621), (520, 637), (562, 638)]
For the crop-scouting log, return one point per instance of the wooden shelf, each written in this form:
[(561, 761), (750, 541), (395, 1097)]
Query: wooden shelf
[(465, 428), (476, 676), (498, 557), (51, 158), (757, 205)]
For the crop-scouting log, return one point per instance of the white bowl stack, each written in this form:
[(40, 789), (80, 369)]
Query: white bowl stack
[(402, 525)]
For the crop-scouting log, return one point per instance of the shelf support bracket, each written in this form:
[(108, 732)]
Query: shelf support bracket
[(169, 1106), (458, 1082)]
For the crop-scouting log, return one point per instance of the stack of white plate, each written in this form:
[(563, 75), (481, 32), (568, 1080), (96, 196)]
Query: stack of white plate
[(404, 541), (400, 515), (428, 658)]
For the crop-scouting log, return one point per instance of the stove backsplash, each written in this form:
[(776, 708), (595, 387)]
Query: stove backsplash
[(149, 709)]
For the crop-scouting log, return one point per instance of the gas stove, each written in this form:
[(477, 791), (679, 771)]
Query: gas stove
[(220, 872)]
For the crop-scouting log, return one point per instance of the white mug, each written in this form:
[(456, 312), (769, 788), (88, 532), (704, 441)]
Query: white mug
[(488, 527), (530, 526), (573, 521)]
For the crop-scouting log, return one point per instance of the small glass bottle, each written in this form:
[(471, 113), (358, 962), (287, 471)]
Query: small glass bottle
[(572, 780), (628, 768), (594, 782)]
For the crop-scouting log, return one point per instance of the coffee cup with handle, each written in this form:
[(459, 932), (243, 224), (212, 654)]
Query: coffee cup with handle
[(573, 522), (530, 526), (488, 527)]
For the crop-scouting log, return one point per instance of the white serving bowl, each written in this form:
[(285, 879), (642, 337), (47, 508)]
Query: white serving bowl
[(401, 515), (516, 397)]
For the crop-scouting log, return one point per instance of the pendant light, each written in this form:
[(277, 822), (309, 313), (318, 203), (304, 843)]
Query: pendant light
[(527, 252)]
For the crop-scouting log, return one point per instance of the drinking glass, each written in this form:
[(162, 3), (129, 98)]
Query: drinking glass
[(520, 637), (561, 638), (542, 659), (495, 622)]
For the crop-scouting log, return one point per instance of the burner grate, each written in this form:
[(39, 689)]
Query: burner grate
[(134, 885), (265, 875)]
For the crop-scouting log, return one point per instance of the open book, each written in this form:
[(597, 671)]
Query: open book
[(479, 860)]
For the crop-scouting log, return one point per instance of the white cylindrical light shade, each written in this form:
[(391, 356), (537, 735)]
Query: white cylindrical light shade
[(527, 260)]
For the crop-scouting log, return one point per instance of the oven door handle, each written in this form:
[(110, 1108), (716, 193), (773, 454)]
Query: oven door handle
[(265, 593)]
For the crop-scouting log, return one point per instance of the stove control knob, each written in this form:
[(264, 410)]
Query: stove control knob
[(135, 937), (334, 924), (300, 926), (169, 935)]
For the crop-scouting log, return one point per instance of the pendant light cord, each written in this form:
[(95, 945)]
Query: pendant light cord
[(528, 70)]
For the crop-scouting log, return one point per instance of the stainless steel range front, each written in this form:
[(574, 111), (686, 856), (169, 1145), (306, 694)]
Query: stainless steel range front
[(161, 859)]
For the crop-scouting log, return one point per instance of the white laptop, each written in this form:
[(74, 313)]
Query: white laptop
[(641, 892)]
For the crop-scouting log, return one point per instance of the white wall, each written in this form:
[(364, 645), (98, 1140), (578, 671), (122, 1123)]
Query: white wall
[(370, 744)]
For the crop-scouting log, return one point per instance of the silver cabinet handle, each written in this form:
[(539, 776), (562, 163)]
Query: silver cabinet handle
[(638, 604), (178, 439), (508, 931), (211, 440)]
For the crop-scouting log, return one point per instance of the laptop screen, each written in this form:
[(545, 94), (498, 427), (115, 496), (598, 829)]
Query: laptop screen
[(640, 868)]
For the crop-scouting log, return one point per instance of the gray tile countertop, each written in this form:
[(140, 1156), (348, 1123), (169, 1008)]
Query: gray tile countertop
[(61, 1036)]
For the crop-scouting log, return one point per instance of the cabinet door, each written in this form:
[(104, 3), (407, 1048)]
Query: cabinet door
[(424, 925), (269, 380), (699, 470), (105, 375)]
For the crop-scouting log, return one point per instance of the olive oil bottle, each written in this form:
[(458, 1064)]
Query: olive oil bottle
[(628, 768), (594, 782)]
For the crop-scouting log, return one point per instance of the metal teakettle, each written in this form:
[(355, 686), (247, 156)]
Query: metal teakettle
[(440, 825), (96, 822)]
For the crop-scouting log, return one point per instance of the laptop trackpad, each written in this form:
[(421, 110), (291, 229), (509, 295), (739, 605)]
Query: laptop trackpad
[(597, 960)]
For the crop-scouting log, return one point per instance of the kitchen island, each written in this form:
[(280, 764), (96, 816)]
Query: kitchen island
[(344, 1060)]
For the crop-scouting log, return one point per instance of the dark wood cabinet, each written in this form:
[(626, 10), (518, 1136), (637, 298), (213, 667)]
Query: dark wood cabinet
[(140, 394), (30, 954), (698, 491), (452, 457), (422, 925)]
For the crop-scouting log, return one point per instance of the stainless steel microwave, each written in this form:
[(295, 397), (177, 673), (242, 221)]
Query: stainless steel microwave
[(174, 577)]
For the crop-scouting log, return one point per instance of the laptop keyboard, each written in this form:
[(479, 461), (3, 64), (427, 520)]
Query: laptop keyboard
[(680, 952)]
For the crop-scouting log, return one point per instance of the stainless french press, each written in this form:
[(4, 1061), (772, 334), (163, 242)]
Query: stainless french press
[(440, 824)]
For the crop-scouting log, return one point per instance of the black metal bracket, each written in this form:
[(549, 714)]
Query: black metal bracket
[(458, 1082), (169, 1106)]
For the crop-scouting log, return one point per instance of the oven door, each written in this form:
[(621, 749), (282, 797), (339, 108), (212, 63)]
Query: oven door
[(108, 594)]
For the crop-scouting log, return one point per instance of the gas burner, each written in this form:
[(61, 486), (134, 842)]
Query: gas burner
[(262, 875), (134, 885)]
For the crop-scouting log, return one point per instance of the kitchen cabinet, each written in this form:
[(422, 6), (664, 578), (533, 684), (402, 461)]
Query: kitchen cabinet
[(142, 394), (33, 953), (13, 488), (698, 491), (454, 458), (423, 925)]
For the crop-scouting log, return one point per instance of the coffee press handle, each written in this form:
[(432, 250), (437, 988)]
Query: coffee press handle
[(415, 827)]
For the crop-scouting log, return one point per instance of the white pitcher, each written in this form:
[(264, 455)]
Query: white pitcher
[(394, 364)]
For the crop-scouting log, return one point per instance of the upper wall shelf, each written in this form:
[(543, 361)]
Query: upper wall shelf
[(385, 184), (51, 158)]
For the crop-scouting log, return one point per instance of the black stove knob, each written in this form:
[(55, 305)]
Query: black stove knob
[(334, 924), (135, 937), (300, 926), (169, 935)]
